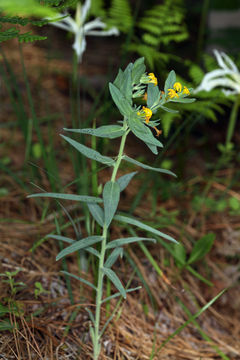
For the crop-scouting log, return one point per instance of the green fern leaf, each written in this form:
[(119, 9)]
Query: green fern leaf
[(8, 34), (28, 37), (119, 10)]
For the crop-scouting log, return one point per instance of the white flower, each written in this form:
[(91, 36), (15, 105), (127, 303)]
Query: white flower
[(228, 76), (81, 29)]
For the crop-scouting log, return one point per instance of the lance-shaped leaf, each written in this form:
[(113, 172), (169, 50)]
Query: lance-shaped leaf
[(144, 166), (119, 79), (80, 279), (115, 280), (93, 251), (138, 70), (61, 238), (182, 100), (125, 241), (97, 213), (135, 222), (88, 152), (142, 131), (153, 148), (118, 294), (121, 102), (78, 245), (124, 180), (113, 257), (91, 316), (82, 198), (173, 111), (126, 84), (111, 194), (201, 247), (106, 131), (170, 81), (153, 95)]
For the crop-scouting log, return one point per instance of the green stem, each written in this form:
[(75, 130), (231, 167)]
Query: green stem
[(96, 344), (96, 341), (119, 158), (232, 121)]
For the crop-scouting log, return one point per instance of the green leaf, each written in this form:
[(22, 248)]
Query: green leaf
[(179, 254), (91, 316), (97, 213), (124, 180), (144, 166), (77, 245), (171, 79), (80, 279), (126, 84), (182, 100), (93, 251), (153, 95), (125, 241), (234, 203), (169, 110), (82, 198), (111, 194), (113, 257), (26, 8), (119, 79), (115, 280), (4, 310), (121, 102), (138, 70), (6, 325), (61, 238), (132, 221), (201, 247), (90, 153), (142, 131), (118, 294), (107, 131)]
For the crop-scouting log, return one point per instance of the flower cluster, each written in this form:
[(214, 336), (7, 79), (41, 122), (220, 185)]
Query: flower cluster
[(177, 90), (149, 78)]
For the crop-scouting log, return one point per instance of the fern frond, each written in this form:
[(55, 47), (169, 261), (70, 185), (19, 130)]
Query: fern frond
[(8, 34), (120, 15), (162, 24), (29, 37)]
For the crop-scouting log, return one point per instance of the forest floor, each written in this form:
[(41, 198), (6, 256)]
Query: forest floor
[(44, 327)]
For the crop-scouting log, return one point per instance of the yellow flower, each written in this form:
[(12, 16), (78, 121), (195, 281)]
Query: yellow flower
[(172, 93), (186, 91), (146, 112), (153, 78), (177, 86)]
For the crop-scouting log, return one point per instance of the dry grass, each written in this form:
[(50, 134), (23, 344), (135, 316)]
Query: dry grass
[(41, 327)]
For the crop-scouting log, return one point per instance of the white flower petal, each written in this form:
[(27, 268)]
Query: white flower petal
[(230, 62), (230, 92), (85, 10), (112, 31), (96, 23), (220, 61)]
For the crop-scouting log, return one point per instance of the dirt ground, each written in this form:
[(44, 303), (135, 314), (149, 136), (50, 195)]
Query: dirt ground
[(45, 327)]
